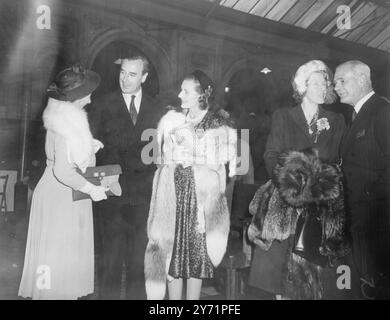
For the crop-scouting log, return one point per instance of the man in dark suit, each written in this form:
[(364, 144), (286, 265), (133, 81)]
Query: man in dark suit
[(118, 120), (365, 152)]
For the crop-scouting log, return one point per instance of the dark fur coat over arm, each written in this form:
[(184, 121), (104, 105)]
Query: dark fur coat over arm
[(300, 179)]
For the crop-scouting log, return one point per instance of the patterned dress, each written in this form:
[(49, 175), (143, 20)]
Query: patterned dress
[(189, 257)]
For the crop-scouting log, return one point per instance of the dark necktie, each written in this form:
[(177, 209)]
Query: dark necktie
[(354, 114), (133, 110)]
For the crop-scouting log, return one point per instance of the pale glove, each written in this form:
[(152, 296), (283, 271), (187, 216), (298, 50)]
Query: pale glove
[(111, 183), (97, 193), (97, 145)]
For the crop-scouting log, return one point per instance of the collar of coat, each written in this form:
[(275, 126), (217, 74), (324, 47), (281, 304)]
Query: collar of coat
[(214, 120), (71, 122)]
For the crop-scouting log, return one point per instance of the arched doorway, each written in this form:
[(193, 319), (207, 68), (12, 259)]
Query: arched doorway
[(104, 64), (251, 97)]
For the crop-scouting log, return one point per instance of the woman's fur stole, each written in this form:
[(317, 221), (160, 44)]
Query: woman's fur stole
[(212, 209), (71, 122), (300, 179), (212, 142)]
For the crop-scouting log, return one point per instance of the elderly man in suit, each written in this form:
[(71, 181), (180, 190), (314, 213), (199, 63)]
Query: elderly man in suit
[(118, 120), (365, 152)]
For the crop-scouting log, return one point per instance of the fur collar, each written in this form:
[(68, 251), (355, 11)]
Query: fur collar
[(168, 122), (70, 122), (212, 120), (215, 119)]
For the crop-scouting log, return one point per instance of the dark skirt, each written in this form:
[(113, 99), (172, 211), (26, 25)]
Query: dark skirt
[(269, 268), (269, 271), (189, 256)]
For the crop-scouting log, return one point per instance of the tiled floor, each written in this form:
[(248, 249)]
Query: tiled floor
[(13, 235)]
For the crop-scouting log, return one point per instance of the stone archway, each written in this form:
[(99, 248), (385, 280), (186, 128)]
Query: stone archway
[(159, 59), (251, 98)]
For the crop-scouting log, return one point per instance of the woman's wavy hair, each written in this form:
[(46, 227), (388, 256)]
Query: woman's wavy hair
[(299, 81), (204, 86)]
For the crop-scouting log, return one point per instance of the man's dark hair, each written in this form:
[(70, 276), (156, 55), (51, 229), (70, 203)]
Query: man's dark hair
[(137, 55)]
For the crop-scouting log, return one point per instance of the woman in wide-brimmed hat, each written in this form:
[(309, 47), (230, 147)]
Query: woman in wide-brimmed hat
[(59, 259)]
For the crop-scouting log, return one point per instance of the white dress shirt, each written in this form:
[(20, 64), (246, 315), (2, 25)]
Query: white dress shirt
[(362, 101), (137, 99)]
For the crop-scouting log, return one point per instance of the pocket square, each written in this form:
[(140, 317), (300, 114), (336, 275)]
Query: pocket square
[(361, 134)]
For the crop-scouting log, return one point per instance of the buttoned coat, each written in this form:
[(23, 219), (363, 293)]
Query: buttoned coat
[(365, 152), (290, 132), (111, 122)]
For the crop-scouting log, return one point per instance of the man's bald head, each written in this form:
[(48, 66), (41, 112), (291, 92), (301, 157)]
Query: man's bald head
[(352, 81)]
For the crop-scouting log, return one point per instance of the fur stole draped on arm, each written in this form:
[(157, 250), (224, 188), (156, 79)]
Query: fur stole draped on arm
[(71, 122), (300, 179)]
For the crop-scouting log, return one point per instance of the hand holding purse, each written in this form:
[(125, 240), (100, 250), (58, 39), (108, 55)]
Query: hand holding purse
[(308, 237), (106, 176), (97, 193)]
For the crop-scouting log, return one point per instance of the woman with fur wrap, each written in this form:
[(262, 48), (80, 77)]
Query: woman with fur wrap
[(59, 258), (307, 125), (189, 221)]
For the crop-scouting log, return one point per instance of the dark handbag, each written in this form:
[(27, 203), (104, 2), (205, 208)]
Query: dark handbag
[(308, 237), (95, 175)]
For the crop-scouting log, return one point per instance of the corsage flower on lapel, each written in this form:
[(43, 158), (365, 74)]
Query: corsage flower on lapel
[(322, 124)]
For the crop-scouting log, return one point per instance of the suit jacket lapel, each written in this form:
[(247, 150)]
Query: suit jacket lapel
[(362, 116), (122, 107), (144, 111), (359, 123), (300, 120), (141, 111)]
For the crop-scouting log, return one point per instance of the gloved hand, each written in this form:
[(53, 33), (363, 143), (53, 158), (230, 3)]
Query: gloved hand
[(97, 193), (97, 145)]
